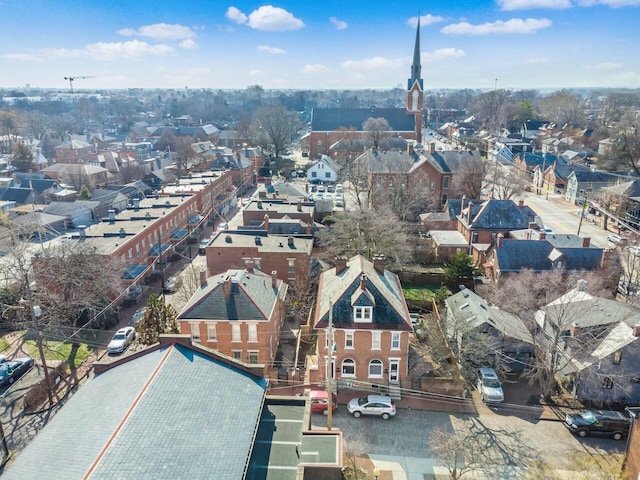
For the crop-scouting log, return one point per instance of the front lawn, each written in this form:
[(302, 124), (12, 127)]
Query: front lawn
[(58, 351), (418, 291)]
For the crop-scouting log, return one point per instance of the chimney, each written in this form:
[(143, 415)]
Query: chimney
[(82, 230), (410, 148), (432, 147), (299, 205), (469, 213), (499, 239), (249, 264), (582, 285), (308, 229), (227, 287), (533, 226), (266, 222), (274, 279), (112, 217), (203, 278), (341, 264), (527, 235), (521, 202), (122, 232), (290, 241), (260, 204), (586, 242), (542, 235), (136, 204), (575, 329), (378, 263), (363, 281), (636, 330)]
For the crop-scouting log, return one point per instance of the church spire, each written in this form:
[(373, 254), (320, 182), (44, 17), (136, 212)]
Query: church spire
[(416, 68)]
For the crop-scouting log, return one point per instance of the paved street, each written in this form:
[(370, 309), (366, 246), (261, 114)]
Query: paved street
[(400, 446)]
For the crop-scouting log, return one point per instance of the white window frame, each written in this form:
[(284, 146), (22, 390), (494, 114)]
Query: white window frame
[(351, 362), (362, 314), (212, 333), (236, 354), (236, 334), (395, 340), (253, 332), (376, 339), (349, 339), (195, 331), (376, 361)]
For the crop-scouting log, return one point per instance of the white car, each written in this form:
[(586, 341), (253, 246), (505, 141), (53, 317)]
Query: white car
[(615, 238), (380, 405), (121, 340), (489, 386)]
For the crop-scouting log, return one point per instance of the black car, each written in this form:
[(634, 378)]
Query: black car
[(599, 422), (12, 370)]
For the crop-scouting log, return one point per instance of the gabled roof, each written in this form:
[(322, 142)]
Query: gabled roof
[(540, 255), (175, 411), (451, 160), (466, 306), (337, 289), (563, 171), (252, 297), (387, 162), (627, 189), (64, 209), (590, 176), (332, 119), (18, 195), (499, 215)]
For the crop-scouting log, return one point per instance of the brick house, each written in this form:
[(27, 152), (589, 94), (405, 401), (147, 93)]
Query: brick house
[(255, 212), (239, 314), (74, 151), (289, 256), (371, 324)]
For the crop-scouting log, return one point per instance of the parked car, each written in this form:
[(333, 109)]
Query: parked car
[(380, 405), (203, 245), (489, 386), (599, 422), (172, 284), (330, 188), (121, 340), (12, 370), (339, 187), (615, 238), (320, 401), (137, 317), (222, 227)]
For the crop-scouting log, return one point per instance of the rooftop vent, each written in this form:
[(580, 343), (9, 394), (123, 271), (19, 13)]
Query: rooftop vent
[(228, 239)]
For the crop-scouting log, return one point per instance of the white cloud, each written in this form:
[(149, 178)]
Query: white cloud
[(160, 31), (256, 73), (63, 52), (273, 19), (339, 24), (188, 44), (23, 57), (604, 66), (510, 5), (315, 68), (443, 53), (132, 49), (372, 63), (515, 25), (274, 50), (610, 3), (425, 20), (236, 15)]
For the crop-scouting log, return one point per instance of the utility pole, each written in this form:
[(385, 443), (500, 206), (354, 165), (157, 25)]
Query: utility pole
[(330, 368)]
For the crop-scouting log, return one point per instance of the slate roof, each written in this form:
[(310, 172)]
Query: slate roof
[(286, 189), (172, 412), (390, 309), (590, 176), (252, 297), (500, 215), (18, 195), (388, 162), (539, 255), (64, 209), (563, 171), (330, 119), (627, 189), (451, 161), (533, 159), (474, 311)]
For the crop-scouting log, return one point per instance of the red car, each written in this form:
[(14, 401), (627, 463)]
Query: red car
[(320, 401)]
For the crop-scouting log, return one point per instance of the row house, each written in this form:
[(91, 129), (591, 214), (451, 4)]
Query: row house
[(74, 151)]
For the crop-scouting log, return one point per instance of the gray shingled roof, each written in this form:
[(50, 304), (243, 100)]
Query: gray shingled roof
[(387, 162), (539, 255), (171, 413), (252, 297), (500, 215), (390, 309)]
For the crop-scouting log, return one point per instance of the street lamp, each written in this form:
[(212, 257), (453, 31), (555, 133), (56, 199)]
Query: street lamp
[(376, 471)]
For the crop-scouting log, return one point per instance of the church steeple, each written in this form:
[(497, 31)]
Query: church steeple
[(416, 68)]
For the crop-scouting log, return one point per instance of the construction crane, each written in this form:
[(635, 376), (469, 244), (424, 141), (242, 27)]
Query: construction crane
[(71, 79)]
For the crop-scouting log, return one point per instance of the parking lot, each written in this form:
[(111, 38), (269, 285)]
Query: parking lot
[(400, 446)]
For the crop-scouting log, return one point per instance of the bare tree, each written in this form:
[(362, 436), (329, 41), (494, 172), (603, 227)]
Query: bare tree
[(75, 175), (376, 130), (460, 452), (562, 108), (184, 156), (629, 142), (367, 232), (413, 197), (279, 126), (472, 178), (507, 185)]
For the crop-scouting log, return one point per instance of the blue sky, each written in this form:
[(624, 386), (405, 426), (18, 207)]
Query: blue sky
[(345, 44)]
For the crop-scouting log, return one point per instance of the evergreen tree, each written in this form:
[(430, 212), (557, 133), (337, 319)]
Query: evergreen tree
[(158, 318), (22, 158)]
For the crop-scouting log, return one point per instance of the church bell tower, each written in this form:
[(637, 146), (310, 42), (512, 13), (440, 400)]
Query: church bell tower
[(415, 93)]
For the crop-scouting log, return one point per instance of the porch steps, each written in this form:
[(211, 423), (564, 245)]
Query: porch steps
[(394, 392)]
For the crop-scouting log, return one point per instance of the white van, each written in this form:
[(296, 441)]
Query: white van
[(489, 386)]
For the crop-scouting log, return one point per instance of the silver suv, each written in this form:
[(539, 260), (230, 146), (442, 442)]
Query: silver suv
[(380, 405)]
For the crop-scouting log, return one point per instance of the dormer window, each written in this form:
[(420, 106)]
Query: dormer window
[(362, 314)]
